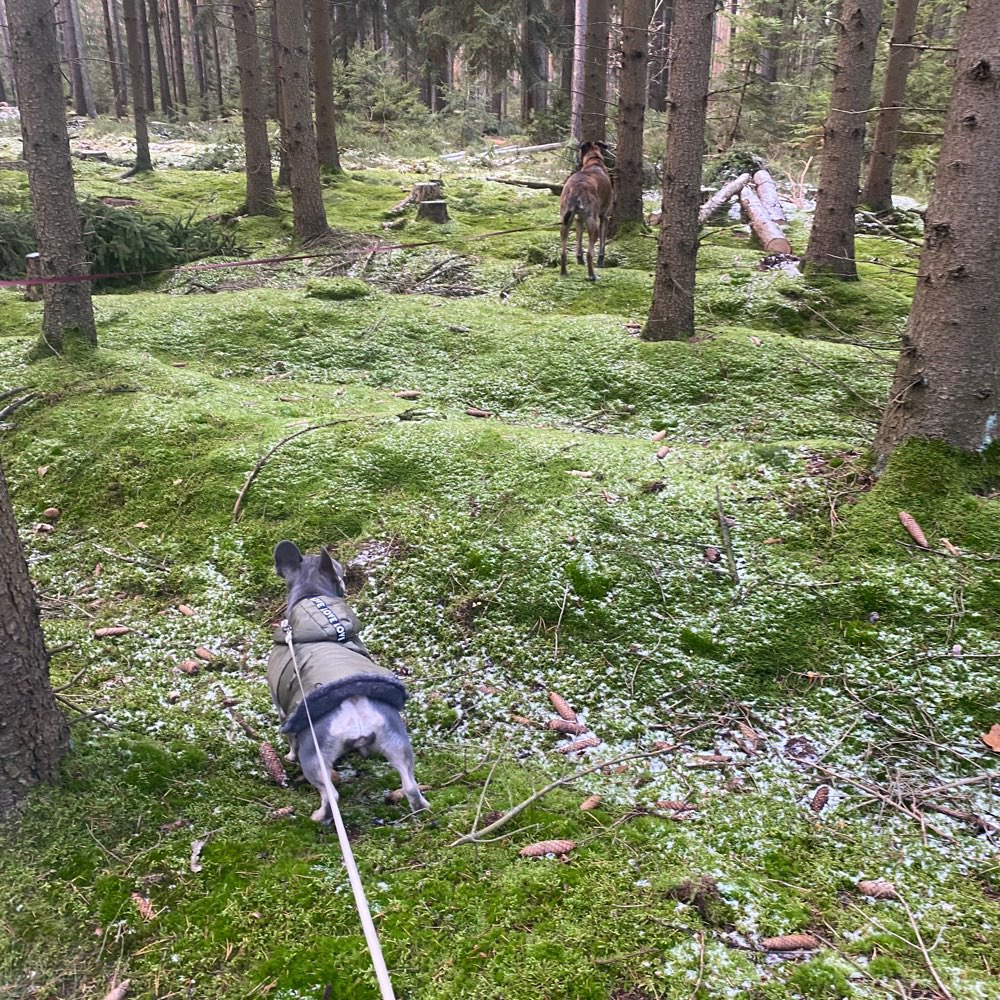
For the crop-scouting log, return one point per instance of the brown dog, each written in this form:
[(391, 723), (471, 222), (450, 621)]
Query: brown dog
[(589, 196)]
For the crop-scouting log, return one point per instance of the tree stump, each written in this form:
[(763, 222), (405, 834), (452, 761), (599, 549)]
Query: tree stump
[(424, 191), (433, 211), (33, 269)]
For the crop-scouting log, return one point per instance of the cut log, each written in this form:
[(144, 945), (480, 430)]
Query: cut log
[(33, 269), (424, 191), (767, 191), (544, 148), (433, 211), (721, 197), (767, 231), (555, 189)]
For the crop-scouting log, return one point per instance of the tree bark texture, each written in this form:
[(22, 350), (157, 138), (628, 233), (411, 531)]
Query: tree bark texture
[(579, 69), (767, 231), (130, 10), (33, 733), (595, 78), (162, 67), (213, 26), (308, 213), (631, 112), (947, 384), (67, 306), (117, 27), (198, 55), (534, 61), (284, 173), (671, 314), (260, 186), (831, 242), (177, 53), (322, 63), (83, 95), (877, 194), (6, 52), (114, 66), (566, 51)]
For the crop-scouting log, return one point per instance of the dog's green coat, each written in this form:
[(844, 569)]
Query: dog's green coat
[(333, 662)]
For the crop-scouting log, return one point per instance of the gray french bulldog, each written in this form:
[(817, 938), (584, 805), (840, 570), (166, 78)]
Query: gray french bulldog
[(353, 702)]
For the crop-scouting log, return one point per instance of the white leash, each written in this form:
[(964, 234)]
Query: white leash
[(371, 935)]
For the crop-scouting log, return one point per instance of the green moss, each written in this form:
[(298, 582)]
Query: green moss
[(820, 979), (337, 289)]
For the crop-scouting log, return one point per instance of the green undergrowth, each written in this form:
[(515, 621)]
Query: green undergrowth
[(494, 559)]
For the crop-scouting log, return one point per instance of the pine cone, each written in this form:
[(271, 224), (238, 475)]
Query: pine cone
[(561, 705), (524, 721), (112, 630), (282, 812), (203, 653), (273, 764), (544, 847), (909, 522), (144, 906), (877, 889), (750, 735), (820, 798), (189, 666), (591, 802), (584, 743), (790, 942), (565, 726)]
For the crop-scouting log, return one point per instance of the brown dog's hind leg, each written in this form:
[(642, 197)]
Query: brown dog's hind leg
[(563, 236), (592, 233), (604, 237), (579, 239)]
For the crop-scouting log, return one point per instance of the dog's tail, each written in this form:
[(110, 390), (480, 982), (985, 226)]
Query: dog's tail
[(573, 209)]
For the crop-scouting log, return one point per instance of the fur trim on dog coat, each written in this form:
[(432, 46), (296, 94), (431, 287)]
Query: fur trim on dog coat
[(333, 662)]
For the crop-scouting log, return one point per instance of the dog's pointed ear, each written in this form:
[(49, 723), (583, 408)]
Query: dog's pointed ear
[(331, 568), (287, 559)]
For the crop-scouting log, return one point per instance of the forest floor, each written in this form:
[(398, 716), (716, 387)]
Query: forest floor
[(493, 559)]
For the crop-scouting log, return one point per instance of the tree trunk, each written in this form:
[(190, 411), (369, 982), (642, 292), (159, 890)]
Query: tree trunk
[(144, 56), (631, 112), (721, 197), (114, 66), (216, 61), (671, 314), (534, 61), (162, 67), (877, 194), (80, 66), (6, 52), (198, 56), (767, 231), (322, 61), (579, 69), (34, 735), (117, 20), (831, 242), (177, 54), (50, 177), (595, 96), (947, 385), (308, 214), (659, 63), (260, 187), (566, 57), (131, 9), (284, 172), (771, 48)]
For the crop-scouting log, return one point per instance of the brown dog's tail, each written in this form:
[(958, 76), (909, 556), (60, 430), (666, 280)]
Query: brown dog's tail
[(574, 207)]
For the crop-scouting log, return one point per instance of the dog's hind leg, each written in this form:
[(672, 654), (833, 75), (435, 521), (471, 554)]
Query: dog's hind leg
[(313, 767), (394, 744), (603, 238), (563, 236), (579, 238), (592, 231)]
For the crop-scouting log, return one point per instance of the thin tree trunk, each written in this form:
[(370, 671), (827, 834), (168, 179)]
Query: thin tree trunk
[(579, 69), (947, 385), (131, 10), (671, 314), (631, 112), (308, 213), (198, 56), (162, 67), (534, 61), (831, 242), (322, 62), (771, 47), (86, 89), (117, 20), (217, 61), (71, 44), (595, 98), (67, 307), (659, 63), (34, 735), (877, 194), (177, 53), (284, 171), (113, 65), (6, 52), (566, 51), (145, 60), (260, 187)]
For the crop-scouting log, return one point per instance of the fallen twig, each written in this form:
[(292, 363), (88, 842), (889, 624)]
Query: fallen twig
[(16, 404), (727, 542), (260, 463), (945, 992), (469, 838)]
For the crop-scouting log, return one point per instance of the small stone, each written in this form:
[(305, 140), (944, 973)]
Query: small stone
[(189, 666), (174, 697), (185, 610), (52, 513)]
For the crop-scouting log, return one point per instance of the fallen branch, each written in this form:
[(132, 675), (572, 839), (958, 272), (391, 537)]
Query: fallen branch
[(475, 835), (7, 393), (767, 231), (555, 189), (945, 992), (254, 472), (727, 542), (721, 197), (16, 404)]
